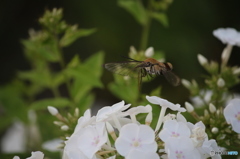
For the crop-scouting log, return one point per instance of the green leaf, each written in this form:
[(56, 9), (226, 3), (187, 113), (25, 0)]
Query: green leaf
[(56, 102), (85, 102), (72, 34), (135, 8), (125, 89), (41, 78), (74, 62), (160, 17)]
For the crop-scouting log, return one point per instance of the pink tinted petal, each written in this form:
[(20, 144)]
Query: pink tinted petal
[(146, 134), (183, 130)]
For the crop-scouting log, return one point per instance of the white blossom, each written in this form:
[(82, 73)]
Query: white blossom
[(232, 114), (135, 137), (172, 128), (87, 141), (228, 36), (181, 147)]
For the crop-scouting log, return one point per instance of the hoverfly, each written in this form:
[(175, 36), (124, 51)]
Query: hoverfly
[(140, 69)]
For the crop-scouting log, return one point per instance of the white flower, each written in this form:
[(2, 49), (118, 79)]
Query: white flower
[(136, 154), (227, 36), (172, 128), (181, 147), (209, 148), (36, 155), (85, 120), (52, 110), (169, 117), (232, 114), (164, 104), (86, 141), (112, 113), (149, 52), (16, 157), (137, 110), (198, 135), (135, 137)]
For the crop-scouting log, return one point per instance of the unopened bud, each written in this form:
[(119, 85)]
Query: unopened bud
[(189, 107), (148, 119), (202, 60), (214, 130), (186, 83), (64, 127), (109, 127), (76, 112), (133, 50), (52, 110), (206, 112), (220, 82), (212, 108), (149, 52), (236, 71), (58, 123)]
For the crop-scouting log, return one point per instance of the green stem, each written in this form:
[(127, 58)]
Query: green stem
[(145, 34)]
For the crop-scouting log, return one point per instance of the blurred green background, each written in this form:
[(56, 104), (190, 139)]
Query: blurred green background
[(191, 23)]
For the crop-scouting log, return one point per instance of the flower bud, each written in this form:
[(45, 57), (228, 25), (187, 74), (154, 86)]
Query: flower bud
[(236, 71), (220, 82), (149, 52), (189, 107), (148, 119), (212, 108), (206, 112), (186, 83), (202, 60), (109, 127), (64, 127), (52, 110), (214, 130), (58, 123)]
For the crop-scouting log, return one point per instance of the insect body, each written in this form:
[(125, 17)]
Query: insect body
[(139, 69)]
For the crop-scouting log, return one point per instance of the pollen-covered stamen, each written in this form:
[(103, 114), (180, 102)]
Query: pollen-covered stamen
[(179, 155), (136, 142), (96, 140), (174, 134)]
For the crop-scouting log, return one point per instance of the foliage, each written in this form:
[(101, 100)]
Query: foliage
[(51, 74)]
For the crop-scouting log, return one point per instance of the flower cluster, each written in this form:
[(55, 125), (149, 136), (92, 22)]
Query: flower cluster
[(133, 140)]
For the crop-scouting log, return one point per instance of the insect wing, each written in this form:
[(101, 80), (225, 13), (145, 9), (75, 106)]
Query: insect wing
[(172, 78), (124, 68)]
